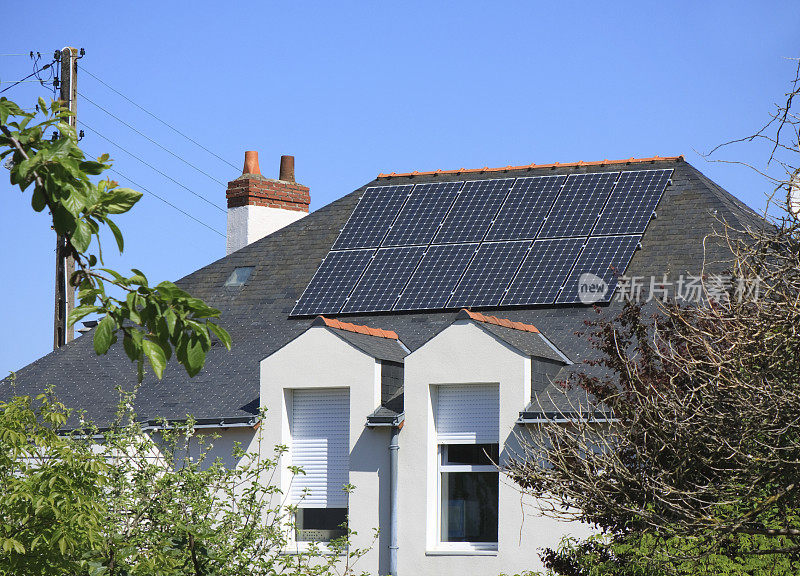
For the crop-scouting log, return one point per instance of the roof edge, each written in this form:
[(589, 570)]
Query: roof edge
[(580, 163)]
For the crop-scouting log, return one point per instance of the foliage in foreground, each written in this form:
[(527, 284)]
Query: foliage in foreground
[(122, 502), (651, 555), (155, 321)]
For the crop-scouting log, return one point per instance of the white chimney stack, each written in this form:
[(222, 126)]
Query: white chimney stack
[(258, 206)]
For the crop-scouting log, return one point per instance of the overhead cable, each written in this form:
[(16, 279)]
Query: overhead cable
[(34, 73), (170, 126), (220, 182), (165, 175), (165, 201)]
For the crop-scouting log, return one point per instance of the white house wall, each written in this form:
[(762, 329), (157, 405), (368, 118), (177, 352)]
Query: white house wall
[(320, 359), (464, 353)]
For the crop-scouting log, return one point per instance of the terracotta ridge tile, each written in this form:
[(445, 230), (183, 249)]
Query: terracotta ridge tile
[(478, 317), (357, 328), (528, 166)]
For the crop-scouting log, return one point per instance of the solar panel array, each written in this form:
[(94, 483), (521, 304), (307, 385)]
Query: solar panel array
[(485, 243)]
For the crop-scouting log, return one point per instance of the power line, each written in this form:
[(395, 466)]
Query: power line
[(118, 119), (167, 176), (170, 126), (36, 71), (165, 201)]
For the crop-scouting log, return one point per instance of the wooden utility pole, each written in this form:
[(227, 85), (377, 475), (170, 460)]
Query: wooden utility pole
[(65, 264)]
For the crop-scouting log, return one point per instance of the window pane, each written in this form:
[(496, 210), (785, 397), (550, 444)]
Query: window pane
[(320, 524), (469, 506), (476, 454), (239, 276)]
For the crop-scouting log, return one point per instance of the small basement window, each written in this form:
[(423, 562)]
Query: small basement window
[(239, 276)]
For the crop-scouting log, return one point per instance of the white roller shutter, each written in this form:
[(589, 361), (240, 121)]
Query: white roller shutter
[(320, 430), (468, 414)]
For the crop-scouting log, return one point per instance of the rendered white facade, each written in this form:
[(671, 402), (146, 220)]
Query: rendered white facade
[(320, 359), (249, 223), (462, 354)]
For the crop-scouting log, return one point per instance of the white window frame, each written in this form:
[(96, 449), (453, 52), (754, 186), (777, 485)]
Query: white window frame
[(442, 547), (448, 468)]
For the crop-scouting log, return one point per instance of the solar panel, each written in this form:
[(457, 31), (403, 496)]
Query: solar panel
[(372, 217), (333, 281), (436, 277), (487, 276), (524, 210), (632, 203), (382, 283), (577, 207), (474, 210), (422, 213), (604, 258), (543, 272)]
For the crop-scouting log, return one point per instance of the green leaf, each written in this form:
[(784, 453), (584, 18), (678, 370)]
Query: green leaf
[(79, 312), (120, 200), (221, 333), (191, 354), (93, 168), (117, 234), (38, 200), (156, 356), (102, 335), (82, 236)]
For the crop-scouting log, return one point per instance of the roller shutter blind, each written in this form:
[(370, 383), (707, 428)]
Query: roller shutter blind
[(468, 414), (320, 431)]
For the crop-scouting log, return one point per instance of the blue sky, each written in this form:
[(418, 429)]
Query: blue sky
[(353, 89)]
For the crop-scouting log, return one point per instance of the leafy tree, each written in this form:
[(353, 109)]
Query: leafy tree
[(130, 501), (697, 469), (155, 321)]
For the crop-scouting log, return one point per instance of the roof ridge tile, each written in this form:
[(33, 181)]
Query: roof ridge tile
[(357, 328), (505, 322), (529, 166)]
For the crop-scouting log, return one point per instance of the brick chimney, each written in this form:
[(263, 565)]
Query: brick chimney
[(258, 206)]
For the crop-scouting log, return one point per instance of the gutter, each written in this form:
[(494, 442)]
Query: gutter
[(539, 418)]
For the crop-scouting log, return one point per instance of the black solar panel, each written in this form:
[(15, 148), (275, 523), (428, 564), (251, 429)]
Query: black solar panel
[(384, 279), (632, 202), (525, 208), (421, 215), (488, 274), (474, 210), (372, 217), (335, 278), (436, 277), (543, 272), (602, 261), (577, 207)]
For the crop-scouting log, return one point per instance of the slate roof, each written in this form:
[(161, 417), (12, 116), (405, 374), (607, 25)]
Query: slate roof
[(257, 314)]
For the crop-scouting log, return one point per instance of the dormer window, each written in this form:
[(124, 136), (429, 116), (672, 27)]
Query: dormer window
[(239, 276)]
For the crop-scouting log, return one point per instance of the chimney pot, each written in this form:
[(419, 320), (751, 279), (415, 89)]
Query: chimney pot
[(286, 173), (251, 163)]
